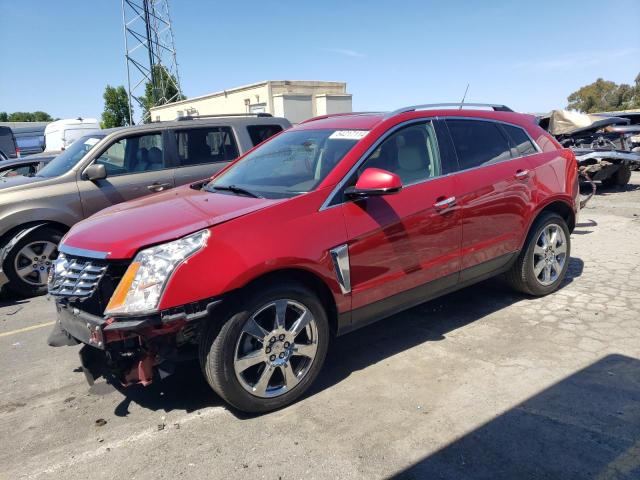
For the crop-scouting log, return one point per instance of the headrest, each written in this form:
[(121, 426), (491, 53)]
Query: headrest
[(409, 158), (155, 155)]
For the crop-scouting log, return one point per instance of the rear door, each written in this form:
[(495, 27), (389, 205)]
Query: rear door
[(200, 152), (494, 194), (136, 165), (406, 246)]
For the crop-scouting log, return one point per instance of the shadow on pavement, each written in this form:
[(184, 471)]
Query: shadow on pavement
[(187, 389), (587, 426), (603, 190)]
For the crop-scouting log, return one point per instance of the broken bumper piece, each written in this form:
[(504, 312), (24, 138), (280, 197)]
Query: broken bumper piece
[(600, 164), (130, 350)]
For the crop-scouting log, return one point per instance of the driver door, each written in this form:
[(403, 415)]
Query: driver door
[(136, 165), (406, 246)]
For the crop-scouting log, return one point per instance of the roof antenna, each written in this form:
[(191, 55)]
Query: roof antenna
[(464, 96)]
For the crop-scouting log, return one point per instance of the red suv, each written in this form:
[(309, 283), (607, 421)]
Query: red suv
[(336, 223)]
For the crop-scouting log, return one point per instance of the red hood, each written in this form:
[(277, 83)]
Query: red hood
[(121, 230)]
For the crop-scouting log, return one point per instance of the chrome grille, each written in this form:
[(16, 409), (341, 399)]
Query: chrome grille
[(76, 278)]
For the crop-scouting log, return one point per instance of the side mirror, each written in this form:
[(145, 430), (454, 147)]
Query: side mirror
[(95, 172), (375, 182)]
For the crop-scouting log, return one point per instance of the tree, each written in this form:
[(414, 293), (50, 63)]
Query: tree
[(605, 96), (165, 91), (116, 107), (4, 117), (37, 116)]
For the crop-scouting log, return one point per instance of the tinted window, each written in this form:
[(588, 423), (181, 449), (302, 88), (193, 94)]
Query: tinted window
[(134, 154), (24, 170), (411, 153), (205, 145), (521, 140), (259, 133), (478, 143), (290, 164)]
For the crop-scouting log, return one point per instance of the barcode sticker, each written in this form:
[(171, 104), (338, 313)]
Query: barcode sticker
[(348, 134)]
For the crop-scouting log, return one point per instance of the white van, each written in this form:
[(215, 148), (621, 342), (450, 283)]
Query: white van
[(60, 134)]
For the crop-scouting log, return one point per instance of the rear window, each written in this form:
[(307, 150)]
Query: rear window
[(521, 140), (259, 133), (30, 142), (478, 143)]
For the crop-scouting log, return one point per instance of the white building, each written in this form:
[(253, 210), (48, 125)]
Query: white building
[(296, 100)]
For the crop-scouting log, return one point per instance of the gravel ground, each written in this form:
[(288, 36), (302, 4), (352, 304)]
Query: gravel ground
[(482, 383)]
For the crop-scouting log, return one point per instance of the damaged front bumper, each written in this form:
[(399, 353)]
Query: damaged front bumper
[(130, 350)]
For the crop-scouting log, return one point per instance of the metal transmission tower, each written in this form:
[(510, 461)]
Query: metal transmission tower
[(150, 54)]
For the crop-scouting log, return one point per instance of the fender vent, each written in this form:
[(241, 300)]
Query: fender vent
[(75, 278)]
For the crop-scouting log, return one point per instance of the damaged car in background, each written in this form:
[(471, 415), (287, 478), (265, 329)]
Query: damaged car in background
[(606, 148)]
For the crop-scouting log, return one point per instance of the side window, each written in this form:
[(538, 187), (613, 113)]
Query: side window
[(134, 155), (24, 170), (478, 143), (259, 133), (205, 145), (521, 140), (411, 153)]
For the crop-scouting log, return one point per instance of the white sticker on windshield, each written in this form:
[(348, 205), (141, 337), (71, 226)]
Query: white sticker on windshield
[(348, 134), (91, 141)]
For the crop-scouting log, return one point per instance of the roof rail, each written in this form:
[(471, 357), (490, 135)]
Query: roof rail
[(220, 115), (412, 108), (331, 115)]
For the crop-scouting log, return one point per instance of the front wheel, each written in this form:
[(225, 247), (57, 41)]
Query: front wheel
[(543, 263), (269, 349), (27, 261)]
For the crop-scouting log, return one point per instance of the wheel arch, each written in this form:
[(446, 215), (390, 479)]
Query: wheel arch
[(29, 227), (305, 277), (563, 209)]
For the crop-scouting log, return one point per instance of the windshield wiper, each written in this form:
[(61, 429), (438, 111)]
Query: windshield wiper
[(236, 189)]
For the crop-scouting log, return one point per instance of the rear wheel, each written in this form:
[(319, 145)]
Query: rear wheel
[(543, 263), (620, 178), (269, 349), (27, 262)]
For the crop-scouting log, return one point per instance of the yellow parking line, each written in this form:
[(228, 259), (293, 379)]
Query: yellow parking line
[(27, 329)]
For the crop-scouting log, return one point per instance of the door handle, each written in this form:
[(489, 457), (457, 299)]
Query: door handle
[(444, 204), (158, 187), (521, 174)]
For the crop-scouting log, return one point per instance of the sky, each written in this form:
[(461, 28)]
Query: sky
[(57, 56)]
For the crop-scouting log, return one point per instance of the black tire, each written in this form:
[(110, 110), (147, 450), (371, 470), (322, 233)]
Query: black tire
[(521, 276), (620, 177), (16, 283), (218, 345)]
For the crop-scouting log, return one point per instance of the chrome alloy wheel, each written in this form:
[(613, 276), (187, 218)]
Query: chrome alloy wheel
[(549, 254), (276, 348), (33, 261)]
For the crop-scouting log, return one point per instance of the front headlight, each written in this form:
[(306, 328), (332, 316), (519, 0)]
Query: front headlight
[(142, 285)]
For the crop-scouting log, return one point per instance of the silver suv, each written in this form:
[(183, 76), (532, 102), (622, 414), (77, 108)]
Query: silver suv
[(109, 167)]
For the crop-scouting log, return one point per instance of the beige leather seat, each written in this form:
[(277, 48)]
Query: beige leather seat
[(413, 164)]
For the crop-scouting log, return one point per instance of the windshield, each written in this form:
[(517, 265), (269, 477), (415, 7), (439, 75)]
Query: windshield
[(290, 164), (67, 159)]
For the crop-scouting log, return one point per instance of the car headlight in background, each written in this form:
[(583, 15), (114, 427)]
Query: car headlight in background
[(141, 287)]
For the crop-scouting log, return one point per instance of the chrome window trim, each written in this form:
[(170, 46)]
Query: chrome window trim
[(82, 252), (340, 257), (325, 205)]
